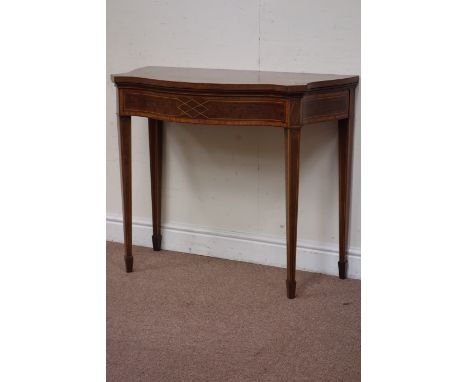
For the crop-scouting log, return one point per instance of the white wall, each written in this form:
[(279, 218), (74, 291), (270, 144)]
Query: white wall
[(231, 179)]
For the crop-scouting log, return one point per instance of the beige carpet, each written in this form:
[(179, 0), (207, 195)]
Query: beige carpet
[(181, 317)]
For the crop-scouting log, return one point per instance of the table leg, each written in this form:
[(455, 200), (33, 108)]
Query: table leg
[(125, 145), (345, 143), (155, 129), (292, 145)]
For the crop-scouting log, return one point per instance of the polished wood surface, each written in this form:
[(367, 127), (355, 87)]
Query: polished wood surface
[(205, 109), (345, 152), (155, 134), (237, 97), (292, 140), (125, 143), (225, 80)]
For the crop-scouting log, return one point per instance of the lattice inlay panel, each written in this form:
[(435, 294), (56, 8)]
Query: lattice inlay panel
[(192, 108), (211, 109)]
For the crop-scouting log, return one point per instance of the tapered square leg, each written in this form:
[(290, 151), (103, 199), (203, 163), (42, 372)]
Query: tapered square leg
[(291, 289), (345, 143), (157, 242), (125, 146), (155, 133), (342, 268), (292, 145)]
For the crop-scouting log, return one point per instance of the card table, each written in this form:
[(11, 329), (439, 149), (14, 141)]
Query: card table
[(290, 101)]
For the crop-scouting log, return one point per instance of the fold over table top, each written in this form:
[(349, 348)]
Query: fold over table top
[(224, 79)]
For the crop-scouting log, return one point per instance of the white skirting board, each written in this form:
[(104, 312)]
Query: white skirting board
[(313, 257)]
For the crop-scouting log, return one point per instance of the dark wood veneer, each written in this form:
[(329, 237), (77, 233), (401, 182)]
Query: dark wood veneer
[(231, 80), (125, 143), (226, 110), (237, 97), (155, 135), (325, 106)]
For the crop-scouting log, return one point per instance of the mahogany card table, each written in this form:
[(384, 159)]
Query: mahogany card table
[(290, 101)]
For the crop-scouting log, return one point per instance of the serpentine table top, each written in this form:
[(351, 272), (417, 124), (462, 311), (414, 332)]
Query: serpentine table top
[(237, 97)]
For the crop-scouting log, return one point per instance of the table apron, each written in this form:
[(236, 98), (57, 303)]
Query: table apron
[(204, 109), (325, 106)]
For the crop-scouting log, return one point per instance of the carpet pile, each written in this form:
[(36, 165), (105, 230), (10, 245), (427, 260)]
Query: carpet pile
[(181, 317)]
